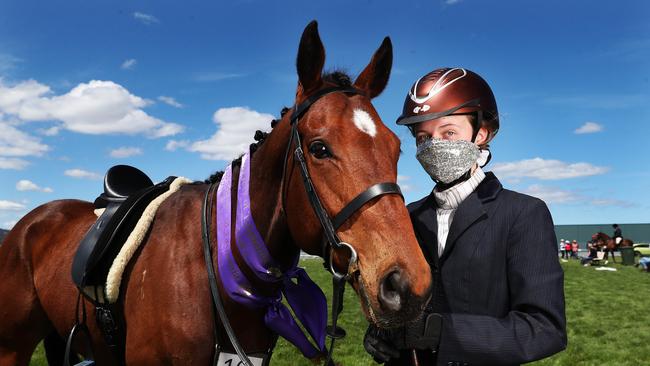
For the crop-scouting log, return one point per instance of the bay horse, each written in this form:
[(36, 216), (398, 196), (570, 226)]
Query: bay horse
[(165, 297), (603, 240)]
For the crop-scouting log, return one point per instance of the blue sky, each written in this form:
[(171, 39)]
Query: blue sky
[(177, 88)]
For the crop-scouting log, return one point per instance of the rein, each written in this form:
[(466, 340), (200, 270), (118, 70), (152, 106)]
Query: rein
[(331, 241)]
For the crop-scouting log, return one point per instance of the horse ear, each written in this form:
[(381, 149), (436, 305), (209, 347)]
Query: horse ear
[(311, 59), (374, 77)]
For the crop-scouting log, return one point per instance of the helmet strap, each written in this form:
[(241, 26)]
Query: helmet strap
[(444, 186), (477, 125)]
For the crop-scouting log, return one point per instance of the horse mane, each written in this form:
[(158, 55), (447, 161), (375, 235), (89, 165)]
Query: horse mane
[(336, 77)]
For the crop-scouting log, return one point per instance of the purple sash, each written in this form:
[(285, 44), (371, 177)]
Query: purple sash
[(304, 296)]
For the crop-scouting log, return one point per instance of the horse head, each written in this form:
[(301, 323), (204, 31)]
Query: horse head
[(347, 149), (603, 240)]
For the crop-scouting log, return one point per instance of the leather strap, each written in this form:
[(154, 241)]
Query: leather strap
[(216, 298), (302, 107), (364, 197)]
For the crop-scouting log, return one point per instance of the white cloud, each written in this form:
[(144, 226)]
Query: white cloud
[(404, 185), (8, 62), (237, 126), (129, 64), (9, 224), (14, 142), (589, 127), (82, 174), (215, 76), (170, 101), (145, 18), (546, 169), (173, 145), (611, 202), (12, 99), (13, 163), (125, 152), (555, 195), (97, 107), (11, 206), (452, 2), (552, 194), (27, 185)]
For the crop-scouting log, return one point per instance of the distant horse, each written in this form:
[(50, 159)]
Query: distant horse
[(602, 240), (165, 297)]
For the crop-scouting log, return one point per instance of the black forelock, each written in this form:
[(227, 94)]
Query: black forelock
[(338, 77)]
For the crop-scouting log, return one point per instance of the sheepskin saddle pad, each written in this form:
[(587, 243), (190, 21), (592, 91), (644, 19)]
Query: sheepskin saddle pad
[(125, 212)]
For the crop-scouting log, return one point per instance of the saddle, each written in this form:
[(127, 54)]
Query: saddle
[(127, 192)]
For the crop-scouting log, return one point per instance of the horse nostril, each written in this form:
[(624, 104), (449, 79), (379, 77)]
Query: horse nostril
[(393, 291)]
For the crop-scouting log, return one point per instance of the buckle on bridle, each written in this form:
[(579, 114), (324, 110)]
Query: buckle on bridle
[(351, 263)]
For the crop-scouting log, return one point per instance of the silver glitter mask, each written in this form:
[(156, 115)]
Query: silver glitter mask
[(446, 160)]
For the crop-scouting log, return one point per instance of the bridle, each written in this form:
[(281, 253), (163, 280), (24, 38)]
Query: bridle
[(331, 241)]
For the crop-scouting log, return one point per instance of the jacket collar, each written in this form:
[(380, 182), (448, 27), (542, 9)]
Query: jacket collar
[(468, 212)]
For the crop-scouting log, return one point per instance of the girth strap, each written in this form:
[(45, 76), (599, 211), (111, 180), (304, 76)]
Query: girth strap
[(363, 198)]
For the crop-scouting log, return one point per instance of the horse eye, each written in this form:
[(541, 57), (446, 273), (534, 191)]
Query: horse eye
[(319, 150)]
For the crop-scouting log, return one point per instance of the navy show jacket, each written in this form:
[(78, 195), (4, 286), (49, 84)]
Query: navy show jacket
[(498, 284)]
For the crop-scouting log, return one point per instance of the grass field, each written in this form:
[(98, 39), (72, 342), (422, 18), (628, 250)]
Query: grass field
[(608, 320)]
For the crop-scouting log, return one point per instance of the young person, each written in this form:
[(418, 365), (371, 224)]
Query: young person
[(618, 234), (497, 295)]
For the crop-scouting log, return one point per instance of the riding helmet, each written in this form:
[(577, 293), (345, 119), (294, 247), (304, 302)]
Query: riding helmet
[(451, 91)]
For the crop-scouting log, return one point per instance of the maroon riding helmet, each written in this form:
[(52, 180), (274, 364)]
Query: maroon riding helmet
[(451, 91)]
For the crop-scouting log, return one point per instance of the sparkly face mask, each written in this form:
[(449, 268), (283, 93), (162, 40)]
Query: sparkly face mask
[(446, 160)]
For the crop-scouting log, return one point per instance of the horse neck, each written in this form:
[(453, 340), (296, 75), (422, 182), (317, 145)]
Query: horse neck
[(266, 195)]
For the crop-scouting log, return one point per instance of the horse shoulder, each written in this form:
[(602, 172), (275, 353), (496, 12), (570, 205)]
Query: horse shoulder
[(169, 277)]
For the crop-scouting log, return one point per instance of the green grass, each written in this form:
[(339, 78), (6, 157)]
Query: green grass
[(607, 313)]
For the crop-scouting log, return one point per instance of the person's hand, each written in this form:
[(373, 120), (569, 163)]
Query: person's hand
[(380, 344), (423, 334)]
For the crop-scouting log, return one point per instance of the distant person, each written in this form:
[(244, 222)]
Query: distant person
[(562, 248), (593, 253), (618, 234), (567, 249), (644, 263), (574, 249)]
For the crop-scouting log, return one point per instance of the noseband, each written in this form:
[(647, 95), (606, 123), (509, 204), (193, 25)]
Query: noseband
[(331, 240)]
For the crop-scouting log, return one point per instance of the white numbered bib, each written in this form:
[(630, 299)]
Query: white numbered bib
[(232, 359)]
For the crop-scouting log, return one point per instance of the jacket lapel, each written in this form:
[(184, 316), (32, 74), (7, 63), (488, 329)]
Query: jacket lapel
[(426, 226), (472, 209), (469, 212)]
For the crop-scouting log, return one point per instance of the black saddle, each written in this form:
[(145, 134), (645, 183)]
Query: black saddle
[(127, 192)]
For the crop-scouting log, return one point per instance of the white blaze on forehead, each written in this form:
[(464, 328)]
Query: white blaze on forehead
[(364, 122)]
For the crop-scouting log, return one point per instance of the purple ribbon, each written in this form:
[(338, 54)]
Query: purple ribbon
[(304, 296)]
